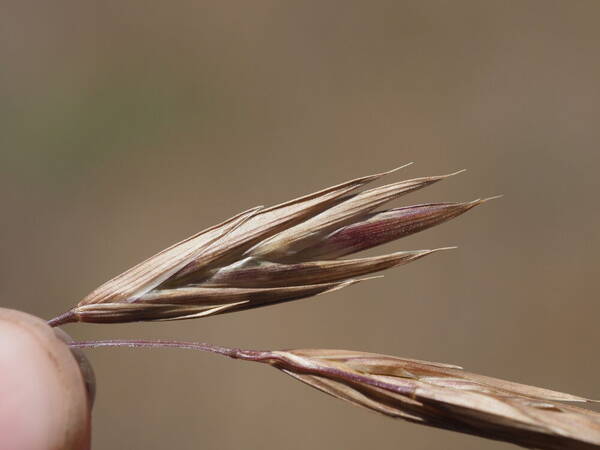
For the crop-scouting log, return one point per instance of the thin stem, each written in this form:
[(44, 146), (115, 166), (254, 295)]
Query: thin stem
[(235, 353), (277, 359), (67, 317)]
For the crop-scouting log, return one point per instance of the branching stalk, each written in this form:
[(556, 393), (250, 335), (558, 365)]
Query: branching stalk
[(428, 393)]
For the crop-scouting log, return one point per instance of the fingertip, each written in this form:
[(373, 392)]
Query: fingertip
[(45, 404), (87, 372)]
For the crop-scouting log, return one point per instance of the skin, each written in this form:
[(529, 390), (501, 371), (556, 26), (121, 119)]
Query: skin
[(46, 390)]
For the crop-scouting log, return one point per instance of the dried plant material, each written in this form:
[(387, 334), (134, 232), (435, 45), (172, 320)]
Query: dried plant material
[(148, 274), (385, 226), (287, 243), (275, 219), (123, 312), (249, 273), (447, 397), (434, 394), (266, 256)]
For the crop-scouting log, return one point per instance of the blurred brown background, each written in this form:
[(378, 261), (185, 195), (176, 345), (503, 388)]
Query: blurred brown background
[(128, 125)]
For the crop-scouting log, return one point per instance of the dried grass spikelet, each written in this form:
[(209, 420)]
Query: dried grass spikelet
[(434, 394), (445, 396), (269, 255)]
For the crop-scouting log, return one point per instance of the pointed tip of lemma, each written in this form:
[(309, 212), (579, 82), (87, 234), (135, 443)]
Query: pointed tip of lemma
[(396, 169), (404, 166), (374, 277), (421, 253), (370, 178), (443, 249), (493, 197), (251, 211), (346, 283), (448, 175), (480, 201), (458, 172), (352, 281)]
